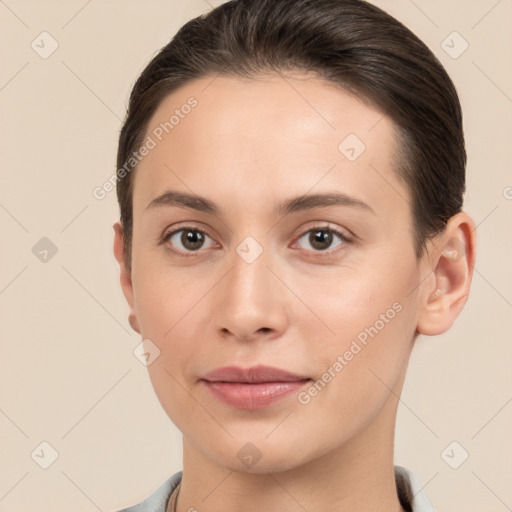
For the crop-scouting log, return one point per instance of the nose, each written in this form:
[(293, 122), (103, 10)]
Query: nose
[(252, 302)]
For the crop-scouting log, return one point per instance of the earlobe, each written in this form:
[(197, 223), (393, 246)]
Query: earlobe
[(125, 274), (132, 320), (452, 261)]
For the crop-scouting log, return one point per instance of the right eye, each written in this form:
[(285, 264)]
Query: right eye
[(188, 239)]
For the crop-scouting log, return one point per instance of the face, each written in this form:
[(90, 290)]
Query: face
[(299, 256)]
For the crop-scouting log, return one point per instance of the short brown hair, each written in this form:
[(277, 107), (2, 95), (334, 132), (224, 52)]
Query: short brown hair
[(349, 43)]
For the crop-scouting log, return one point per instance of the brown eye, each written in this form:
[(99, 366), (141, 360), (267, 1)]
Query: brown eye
[(187, 239), (321, 239)]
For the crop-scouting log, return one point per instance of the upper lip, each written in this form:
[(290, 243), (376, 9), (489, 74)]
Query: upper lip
[(254, 374)]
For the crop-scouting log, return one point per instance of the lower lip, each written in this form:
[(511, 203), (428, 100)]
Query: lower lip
[(253, 396)]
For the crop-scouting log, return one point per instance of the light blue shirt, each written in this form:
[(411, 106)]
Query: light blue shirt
[(157, 501)]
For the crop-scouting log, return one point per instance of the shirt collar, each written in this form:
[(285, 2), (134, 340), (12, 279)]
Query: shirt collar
[(418, 500)]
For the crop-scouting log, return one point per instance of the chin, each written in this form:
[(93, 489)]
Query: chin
[(259, 455)]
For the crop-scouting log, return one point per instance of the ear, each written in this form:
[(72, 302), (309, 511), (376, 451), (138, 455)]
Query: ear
[(451, 259), (125, 278)]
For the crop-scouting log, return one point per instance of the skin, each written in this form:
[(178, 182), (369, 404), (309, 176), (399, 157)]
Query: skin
[(249, 145)]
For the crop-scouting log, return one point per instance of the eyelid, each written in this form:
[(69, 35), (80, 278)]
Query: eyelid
[(189, 225)]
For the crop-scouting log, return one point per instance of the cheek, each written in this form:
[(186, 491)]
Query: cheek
[(363, 353), (170, 309), (353, 303), (163, 296)]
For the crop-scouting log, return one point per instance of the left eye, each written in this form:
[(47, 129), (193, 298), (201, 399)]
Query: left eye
[(321, 238)]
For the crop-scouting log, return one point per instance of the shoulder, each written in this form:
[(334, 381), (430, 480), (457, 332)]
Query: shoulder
[(410, 491), (157, 501)]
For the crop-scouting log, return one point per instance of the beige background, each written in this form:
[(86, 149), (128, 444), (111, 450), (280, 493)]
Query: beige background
[(68, 375)]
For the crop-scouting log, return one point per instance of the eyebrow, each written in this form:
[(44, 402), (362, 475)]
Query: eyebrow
[(293, 205)]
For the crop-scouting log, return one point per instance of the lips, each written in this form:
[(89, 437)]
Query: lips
[(255, 374), (252, 388)]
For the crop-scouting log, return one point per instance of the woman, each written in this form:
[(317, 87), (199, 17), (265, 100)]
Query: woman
[(290, 178)]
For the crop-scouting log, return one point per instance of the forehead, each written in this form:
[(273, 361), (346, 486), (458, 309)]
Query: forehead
[(275, 135)]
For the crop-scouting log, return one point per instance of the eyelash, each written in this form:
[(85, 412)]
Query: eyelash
[(345, 239)]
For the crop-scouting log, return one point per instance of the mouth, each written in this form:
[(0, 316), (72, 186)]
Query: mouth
[(252, 388)]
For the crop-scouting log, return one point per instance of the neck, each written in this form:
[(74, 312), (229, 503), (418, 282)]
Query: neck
[(358, 475)]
